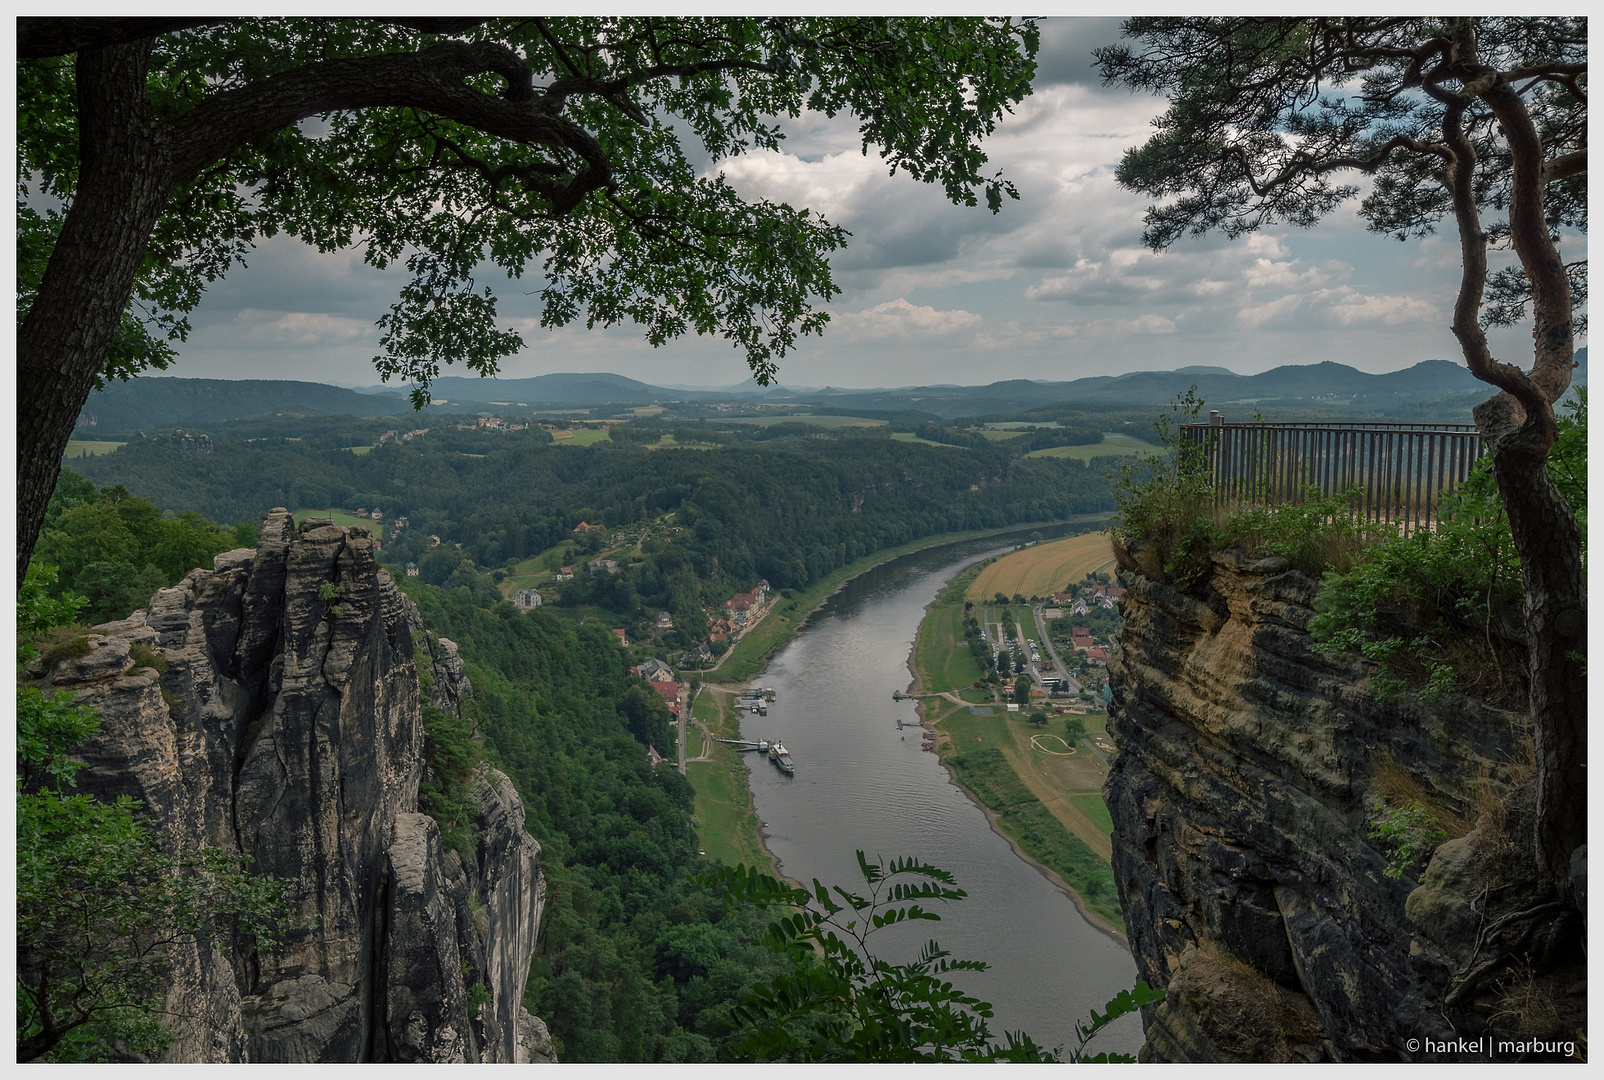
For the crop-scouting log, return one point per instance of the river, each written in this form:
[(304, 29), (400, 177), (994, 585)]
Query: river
[(861, 783)]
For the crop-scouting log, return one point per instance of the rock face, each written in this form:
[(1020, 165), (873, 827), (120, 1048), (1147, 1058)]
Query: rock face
[(287, 727), (1251, 768)]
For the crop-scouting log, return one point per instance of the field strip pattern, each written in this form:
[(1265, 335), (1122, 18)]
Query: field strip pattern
[(1043, 569)]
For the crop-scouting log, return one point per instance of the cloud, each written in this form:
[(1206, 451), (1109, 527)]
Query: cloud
[(303, 327), (1340, 307), (899, 319)]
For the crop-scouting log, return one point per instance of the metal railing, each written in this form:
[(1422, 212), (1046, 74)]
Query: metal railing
[(1402, 470)]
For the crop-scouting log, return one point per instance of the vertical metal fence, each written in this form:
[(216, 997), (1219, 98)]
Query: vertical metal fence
[(1401, 470)]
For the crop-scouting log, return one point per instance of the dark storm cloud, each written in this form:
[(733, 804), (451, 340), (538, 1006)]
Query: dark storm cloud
[(1066, 49)]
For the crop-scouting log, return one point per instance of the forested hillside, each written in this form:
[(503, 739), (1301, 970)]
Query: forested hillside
[(789, 509), (636, 962)]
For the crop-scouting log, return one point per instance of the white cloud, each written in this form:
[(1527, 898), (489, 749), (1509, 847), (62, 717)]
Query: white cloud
[(900, 319), (303, 327), (1341, 307)]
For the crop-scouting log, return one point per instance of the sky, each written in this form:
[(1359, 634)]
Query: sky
[(1057, 286)]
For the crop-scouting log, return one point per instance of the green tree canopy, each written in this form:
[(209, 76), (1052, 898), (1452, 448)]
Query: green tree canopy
[(152, 154)]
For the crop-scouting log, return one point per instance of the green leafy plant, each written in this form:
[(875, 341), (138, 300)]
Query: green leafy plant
[(145, 656), (1408, 835), (1122, 1004), (1166, 502), (838, 1001)]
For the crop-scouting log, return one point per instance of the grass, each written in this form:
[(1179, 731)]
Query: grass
[(1113, 445), (1000, 436), (582, 436), (342, 518), (987, 773), (360, 451), (77, 448), (941, 654), (528, 573), (1094, 807), (1043, 569), (727, 826)]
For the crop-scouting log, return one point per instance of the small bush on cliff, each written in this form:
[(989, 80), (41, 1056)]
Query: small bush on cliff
[(1408, 834), (1441, 609), (1166, 502)]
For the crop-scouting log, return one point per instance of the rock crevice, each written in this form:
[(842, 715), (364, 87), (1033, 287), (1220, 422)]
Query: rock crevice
[(287, 729)]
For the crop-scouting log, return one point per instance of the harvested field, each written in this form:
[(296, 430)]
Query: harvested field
[(1044, 568)]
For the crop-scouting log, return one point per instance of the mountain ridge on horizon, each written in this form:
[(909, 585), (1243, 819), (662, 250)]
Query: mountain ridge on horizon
[(169, 400)]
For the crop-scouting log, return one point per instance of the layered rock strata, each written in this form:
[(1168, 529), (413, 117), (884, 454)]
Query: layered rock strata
[(1252, 767), (286, 728)]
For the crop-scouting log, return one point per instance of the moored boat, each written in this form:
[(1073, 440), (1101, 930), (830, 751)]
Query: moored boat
[(781, 757)]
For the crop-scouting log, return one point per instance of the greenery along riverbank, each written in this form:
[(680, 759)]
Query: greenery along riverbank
[(727, 827), (1041, 785)]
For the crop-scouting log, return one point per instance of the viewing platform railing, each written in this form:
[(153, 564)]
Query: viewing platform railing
[(1402, 470)]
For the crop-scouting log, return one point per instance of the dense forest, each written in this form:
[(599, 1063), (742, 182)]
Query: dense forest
[(637, 961), (789, 505)]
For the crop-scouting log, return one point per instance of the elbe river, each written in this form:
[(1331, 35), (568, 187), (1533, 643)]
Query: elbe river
[(861, 783)]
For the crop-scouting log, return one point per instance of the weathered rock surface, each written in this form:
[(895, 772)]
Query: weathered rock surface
[(287, 728), (1251, 767)]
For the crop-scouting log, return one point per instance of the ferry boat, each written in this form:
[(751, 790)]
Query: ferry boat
[(781, 757)]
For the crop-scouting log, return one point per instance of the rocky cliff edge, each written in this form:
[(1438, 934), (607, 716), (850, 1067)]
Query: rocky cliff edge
[(1251, 769), (287, 728)]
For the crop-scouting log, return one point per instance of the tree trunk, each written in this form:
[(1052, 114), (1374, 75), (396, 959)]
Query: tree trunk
[(122, 184), (1550, 545)]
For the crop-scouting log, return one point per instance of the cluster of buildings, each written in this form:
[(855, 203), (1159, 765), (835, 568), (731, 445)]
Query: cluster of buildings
[(661, 678), (1080, 639), (404, 437), (492, 423), (1082, 598), (739, 612)]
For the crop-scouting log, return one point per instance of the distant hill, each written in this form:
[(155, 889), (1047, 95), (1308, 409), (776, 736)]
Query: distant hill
[(1437, 387), (141, 404), (579, 389)]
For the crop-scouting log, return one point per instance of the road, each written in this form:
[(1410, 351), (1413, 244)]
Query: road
[(1052, 653), (684, 714)]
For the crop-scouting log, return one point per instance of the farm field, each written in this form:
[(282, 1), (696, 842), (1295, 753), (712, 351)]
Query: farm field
[(581, 437), (89, 447), (668, 442), (1043, 568), (816, 421), (908, 436), (1113, 445)]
